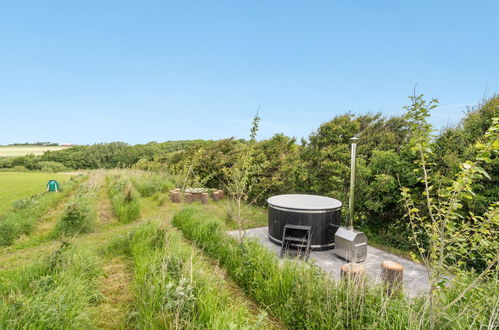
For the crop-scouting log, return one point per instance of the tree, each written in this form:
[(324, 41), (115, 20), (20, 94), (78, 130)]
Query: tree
[(444, 238)]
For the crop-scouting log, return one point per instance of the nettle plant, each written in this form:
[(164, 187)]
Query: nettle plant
[(445, 234)]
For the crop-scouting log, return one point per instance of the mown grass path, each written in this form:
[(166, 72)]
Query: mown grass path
[(116, 280), (113, 312)]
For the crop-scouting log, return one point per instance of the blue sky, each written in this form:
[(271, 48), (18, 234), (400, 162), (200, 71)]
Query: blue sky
[(139, 71)]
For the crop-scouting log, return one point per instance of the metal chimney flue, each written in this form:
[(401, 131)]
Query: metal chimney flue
[(353, 168), (351, 244)]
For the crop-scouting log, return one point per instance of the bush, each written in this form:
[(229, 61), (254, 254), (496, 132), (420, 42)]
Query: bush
[(19, 168), (49, 166)]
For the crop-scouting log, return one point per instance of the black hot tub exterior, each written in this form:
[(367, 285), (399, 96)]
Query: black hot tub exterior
[(323, 214)]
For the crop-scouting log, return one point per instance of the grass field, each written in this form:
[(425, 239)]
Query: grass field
[(17, 185), (14, 151)]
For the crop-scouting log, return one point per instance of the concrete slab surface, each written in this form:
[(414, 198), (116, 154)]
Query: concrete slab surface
[(415, 275)]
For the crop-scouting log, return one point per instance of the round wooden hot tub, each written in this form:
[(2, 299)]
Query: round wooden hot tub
[(322, 214)]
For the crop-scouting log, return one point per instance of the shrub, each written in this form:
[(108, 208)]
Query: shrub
[(50, 166), (19, 168)]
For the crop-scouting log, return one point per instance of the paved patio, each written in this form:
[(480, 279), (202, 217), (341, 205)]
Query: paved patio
[(415, 276)]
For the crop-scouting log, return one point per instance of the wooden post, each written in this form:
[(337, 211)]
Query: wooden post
[(392, 273), (204, 198), (188, 198), (216, 196), (220, 194), (176, 197), (353, 272)]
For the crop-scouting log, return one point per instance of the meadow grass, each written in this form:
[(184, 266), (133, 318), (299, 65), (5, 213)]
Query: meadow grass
[(124, 198), (79, 214), (18, 185), (23, 218), (149, 183), (175, 288), (58, 292), (302, 296)]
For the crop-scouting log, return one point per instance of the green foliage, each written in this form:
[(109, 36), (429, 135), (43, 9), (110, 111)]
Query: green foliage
[(126, 205), (50, 166), (78, 216), (175, 288), (58, 292), (446, 237), (149, 183)]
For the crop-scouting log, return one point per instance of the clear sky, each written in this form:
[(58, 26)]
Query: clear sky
[(139, 71)]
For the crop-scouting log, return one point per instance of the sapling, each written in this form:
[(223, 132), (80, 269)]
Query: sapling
[(239, 178), (441, 230)]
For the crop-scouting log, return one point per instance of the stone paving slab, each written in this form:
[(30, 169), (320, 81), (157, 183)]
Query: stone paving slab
[(415, 275)]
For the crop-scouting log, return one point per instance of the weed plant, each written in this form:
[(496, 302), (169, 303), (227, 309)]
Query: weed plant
[(302, 296)]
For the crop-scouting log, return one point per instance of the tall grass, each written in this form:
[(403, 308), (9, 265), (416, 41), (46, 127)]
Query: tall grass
[(149, 183), (175, 288), (303, 297), (124, 198), (79, 213), (58, 292), (26, 212), (78, 216)]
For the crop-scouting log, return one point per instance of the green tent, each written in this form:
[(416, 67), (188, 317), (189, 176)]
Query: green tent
[(53, 185)]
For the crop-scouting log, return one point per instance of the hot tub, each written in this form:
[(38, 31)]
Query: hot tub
[(323, 214)]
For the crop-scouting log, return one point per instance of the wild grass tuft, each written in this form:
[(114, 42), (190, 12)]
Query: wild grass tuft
[(78, 216), (126, 205), (149, 183), (58, 292)]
